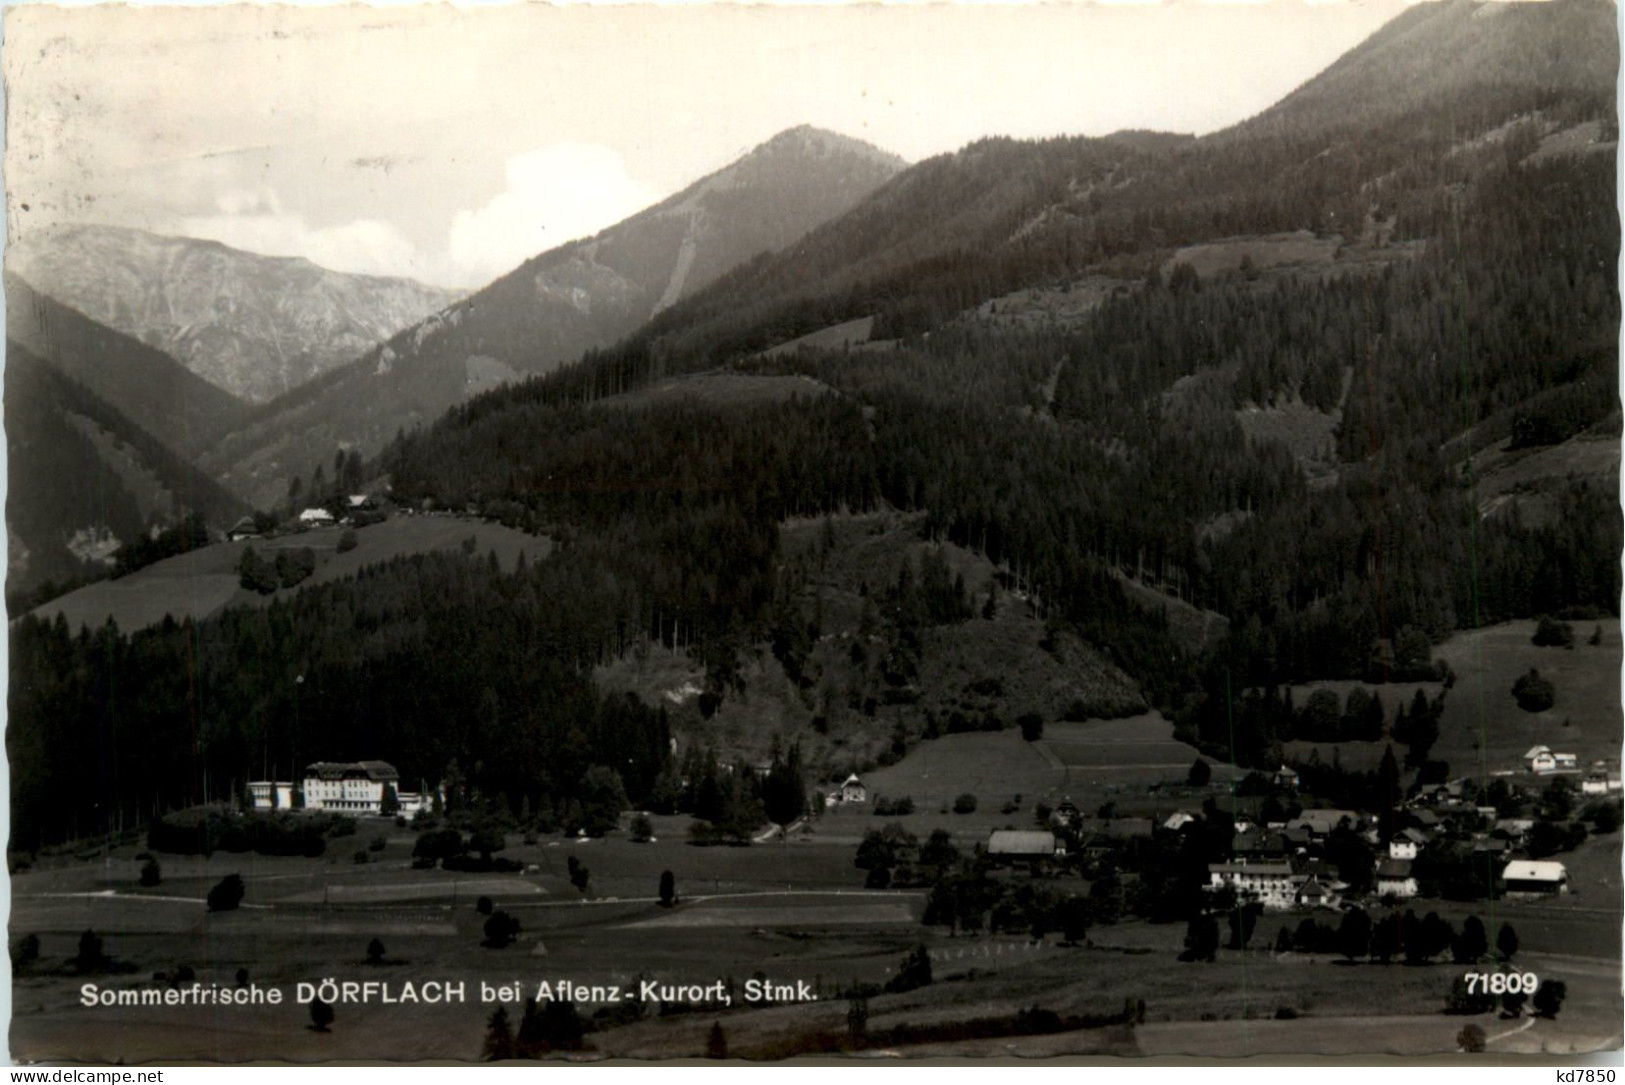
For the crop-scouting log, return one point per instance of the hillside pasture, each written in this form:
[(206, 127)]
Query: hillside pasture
[(203, 582)]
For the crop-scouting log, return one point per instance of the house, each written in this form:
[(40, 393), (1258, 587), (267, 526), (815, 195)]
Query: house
[(1320, 823), (315, 518), (1534, 753), (361, 503), (1566, 762), (351, 787), (1012, 845), (1258, 845), (1066, 814), (1178, 820), (1401, 848), (1314, 893), (1273, 885), (1532, 878), (271, 794), (1595, 784), (1285, 777), (852, 790), (243, 529), (1394, 878)]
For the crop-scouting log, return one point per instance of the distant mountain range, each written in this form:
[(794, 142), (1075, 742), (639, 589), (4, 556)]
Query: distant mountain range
[(254, 326), (551, 309)]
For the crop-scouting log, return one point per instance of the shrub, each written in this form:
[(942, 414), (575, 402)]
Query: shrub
[(227, 894), (965, 804), (484, 906), (151, 873), (24, 951), (375, 952), (1551, 633), (347, 542), (1470, 1038), (321, 1015), (1534, 693), (500, 930)]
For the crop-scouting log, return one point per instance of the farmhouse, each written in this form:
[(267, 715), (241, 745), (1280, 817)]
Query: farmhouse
[(1313, 893), (852, 790), (1532, 878), (315, 518), (1178, 820), (243, 529), (1271, 884), (1394, 878), (1285, 777), (1010, 845), (351, 787)]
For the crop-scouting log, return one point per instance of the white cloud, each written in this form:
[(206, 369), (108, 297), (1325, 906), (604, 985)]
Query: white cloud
[(364, 246), (555, 194)]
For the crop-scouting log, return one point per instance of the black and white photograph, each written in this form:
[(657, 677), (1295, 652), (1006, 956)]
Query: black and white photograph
[(860, 532)]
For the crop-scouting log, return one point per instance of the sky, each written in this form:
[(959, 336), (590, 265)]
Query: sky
[(450, 143)]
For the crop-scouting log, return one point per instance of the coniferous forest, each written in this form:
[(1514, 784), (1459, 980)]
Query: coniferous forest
[(1473, 298)]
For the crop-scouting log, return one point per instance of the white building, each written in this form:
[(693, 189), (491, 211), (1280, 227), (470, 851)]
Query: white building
[(271, 794), (1529, 877), (315, 518), (1394, 878), (1271, 884), (852, 790), (350, 787), (1401, 848)]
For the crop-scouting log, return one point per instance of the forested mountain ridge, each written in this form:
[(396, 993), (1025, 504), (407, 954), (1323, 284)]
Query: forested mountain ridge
[(255, 326), (153, 390), (557, 305), (83, 480), (1460, 296)]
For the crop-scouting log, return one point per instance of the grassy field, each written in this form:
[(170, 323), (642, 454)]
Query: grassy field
[(203, 582), (789, 912), (1482, 730)]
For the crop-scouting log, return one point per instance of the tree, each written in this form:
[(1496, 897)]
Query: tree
[(668, 889), (498, 1037), (500, 929), (784, 792), (1074, 916), (939, 852), (24, 951), (641, 830), (438, 844), (1550, 633), (484, 906), (578, 874), (1032, 726), (1506, 941), (1472, 943), (716, 1042), (321, 1015), (1549, 997), (1470, 1038), (1534, 693), (1512, 1003), (151, 873), (965, 804), (390, 804), (1596, 637), (602, 797), (256, 574), (227, 894), (857, 1017), (90, 957), (914, 971), (375, 952), (1354, 934), (347, 541), (1201, 939), (1201, 772)]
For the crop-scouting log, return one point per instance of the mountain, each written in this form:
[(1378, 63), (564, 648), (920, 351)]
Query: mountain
[(1379, 138), (554, 307), (157, 393), (255, 326), (84, 480)]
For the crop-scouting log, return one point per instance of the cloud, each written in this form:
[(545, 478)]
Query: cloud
[(363, 246), (553, 195)]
